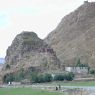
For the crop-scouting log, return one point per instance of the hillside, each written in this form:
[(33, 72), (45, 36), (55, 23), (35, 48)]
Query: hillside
[(27, 51), (74, 37)]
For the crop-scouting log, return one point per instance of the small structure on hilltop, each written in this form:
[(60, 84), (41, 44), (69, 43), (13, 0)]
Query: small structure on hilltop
[(86, 2)]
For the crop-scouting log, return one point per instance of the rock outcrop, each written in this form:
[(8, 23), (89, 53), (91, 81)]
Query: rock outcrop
[(74, 37), (29, 51)]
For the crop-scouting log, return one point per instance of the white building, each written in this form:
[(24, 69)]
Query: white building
[(79, 70)]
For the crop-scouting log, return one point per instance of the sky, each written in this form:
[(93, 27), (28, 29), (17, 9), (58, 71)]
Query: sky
[(39, 16)]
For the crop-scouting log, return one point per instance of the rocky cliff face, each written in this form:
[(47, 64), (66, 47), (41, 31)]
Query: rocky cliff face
[(27, 50), (74, 37)]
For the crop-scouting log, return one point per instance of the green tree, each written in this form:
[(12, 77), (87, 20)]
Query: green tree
[(8, 78), (92, 71), (48, 78), (20, 75), (34, 77), (40, 78), (78, 63), (59, 77), (69, 76)]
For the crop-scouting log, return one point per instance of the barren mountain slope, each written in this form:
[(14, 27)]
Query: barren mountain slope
[(74, 37)]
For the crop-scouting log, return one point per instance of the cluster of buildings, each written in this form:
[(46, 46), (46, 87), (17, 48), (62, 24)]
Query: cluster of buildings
[(79, 70)]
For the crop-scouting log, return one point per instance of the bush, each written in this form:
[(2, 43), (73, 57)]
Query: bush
[(40, 78), (20, 75), (8, 78), (92, 71), (58, 77), (34, 77), (69, 76), (48, 78)]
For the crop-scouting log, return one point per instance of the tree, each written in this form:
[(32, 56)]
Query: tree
[(92, 71), (20, 75), (40, 78), (59, 77), (8, 78), (34, 77), (78, 63), (69, 76), (48, 78)]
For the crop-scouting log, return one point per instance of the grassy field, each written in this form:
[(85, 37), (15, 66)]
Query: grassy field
[(25, 91), (31, 91), (85, 83), (73, 83)]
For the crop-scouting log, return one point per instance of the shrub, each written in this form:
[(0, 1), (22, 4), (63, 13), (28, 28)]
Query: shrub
[(48, 78), (8, 78), (20, 75), (92, 71), (40, 78), (69, 76), (59, 77)]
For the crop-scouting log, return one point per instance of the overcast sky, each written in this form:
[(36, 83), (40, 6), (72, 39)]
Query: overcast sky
[(40, 16)]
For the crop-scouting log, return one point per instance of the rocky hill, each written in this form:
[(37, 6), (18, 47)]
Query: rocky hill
[(74, 37), (29, 51)]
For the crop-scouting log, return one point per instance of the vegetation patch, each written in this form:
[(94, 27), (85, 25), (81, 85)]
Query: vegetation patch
[(73, 83), (25, 91)]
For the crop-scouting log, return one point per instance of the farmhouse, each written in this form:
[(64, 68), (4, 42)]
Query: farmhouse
[(83, 70)]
